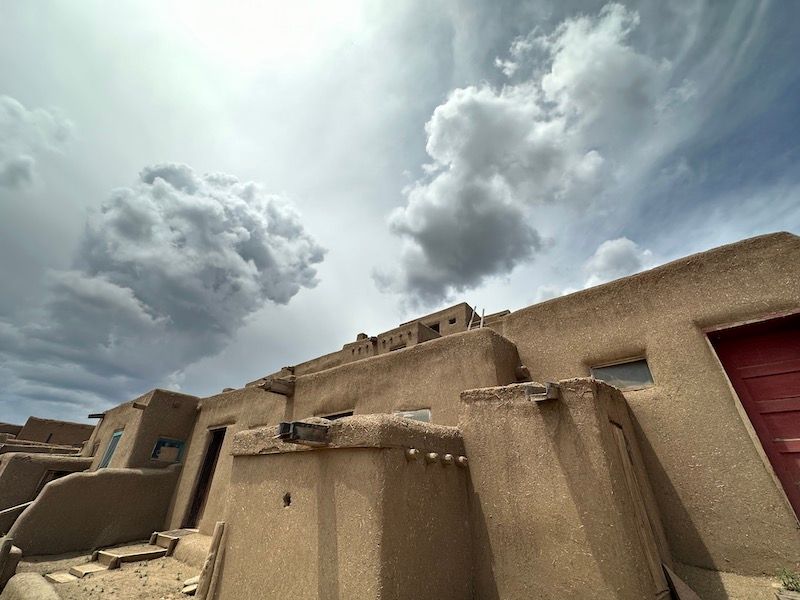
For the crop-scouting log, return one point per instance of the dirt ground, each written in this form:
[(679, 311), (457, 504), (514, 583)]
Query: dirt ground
[(159, 579)]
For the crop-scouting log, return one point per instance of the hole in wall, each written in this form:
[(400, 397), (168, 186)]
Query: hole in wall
[(287, 500)]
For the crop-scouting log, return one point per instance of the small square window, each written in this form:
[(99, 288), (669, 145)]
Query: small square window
[(167, 450), (451, 321), (629, 375)]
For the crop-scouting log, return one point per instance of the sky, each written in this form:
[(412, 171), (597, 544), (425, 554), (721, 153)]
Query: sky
[(194, 194)]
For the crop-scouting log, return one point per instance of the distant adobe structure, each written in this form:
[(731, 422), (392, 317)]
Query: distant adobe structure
[(639, 439)]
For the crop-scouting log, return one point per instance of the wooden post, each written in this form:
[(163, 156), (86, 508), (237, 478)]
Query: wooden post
[(207, 572)]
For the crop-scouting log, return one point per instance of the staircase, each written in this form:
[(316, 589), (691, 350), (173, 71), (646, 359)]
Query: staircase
[(162, 543)]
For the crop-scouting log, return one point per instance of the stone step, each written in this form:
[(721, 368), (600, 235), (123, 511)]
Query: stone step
[(112, 557), (169, 539), (60, 577), (87, 569)]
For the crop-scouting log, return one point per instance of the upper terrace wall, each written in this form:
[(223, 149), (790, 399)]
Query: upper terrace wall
[(235, 410), (156, 414), (430, 375), (55, 432), (716, 495)]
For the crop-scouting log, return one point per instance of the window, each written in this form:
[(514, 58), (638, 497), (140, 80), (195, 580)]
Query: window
[(629, 375), (435, 327), (452, 321), (420, 414), (167, 450), (112, 445)]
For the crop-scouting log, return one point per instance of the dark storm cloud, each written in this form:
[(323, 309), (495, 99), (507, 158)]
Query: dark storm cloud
[(559, 133), (166, 272)]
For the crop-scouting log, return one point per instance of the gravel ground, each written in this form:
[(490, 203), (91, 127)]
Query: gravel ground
[(159, 579)]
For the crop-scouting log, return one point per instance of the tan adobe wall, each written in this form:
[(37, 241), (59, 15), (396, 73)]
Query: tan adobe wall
[(22, 473), (29, 586), (715, 494), (9, 428), (55, 432), (84, 511), (168, 415), (123, 417), (555, 512), (363, 522), (430, 375), (237, 410)]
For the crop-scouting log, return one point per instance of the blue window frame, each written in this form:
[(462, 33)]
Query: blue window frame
[(112, 445), (168, 450)]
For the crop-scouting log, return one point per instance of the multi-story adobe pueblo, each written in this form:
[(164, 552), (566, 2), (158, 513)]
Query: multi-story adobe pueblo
[(639, 439)]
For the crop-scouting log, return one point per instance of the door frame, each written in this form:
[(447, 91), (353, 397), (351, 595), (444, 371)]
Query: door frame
[(748, 424), (210, 433)]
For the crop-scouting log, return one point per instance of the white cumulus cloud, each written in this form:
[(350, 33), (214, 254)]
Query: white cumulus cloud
[(24, 134), (167, 271)]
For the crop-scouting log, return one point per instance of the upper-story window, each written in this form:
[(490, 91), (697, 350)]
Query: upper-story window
[(112, 446), (629, 375)]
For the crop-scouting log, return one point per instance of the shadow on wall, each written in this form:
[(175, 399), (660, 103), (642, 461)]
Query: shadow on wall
[(485, 586), (694, 541), (327, 542), (86, 511)]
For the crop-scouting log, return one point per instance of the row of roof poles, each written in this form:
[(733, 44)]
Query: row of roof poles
[(472, 318)]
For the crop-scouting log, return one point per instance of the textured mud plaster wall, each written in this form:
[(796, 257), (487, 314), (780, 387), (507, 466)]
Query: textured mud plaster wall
[(430, 375), (168, 415), (236, 410), (9, 428), (554, 516), (715, 494), (123, 417), (29, 586), (55, 432), (21, 474), (362, 523), (90, 510)]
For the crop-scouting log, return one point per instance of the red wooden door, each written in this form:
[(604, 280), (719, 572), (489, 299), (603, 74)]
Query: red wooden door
[(762, 361)]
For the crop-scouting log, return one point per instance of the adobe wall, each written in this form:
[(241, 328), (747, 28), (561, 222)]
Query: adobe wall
[(429, 375), (715, 494), (21, 474), (555, 512), (55, 432), (363, 522), (9, 428), (124, 417), (94, 509), (168, 415), (240, 409)]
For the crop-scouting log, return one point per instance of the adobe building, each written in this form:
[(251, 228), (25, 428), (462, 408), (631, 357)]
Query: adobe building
[(639, 439)]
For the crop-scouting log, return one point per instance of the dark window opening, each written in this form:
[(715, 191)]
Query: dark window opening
[(630, 375), (167, 450), (452, 321), (112, 446), (205, 478), (435, 327)]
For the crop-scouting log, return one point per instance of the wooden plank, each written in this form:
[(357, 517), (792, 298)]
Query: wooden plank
[(643, 527), (206, 573)]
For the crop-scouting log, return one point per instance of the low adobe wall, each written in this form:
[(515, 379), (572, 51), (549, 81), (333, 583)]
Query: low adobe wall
[(89, 510), (29, 586), (354, 520), (236, 410), (22, 473), (562, 507), (55, 432), (429, 375), (713, 490)]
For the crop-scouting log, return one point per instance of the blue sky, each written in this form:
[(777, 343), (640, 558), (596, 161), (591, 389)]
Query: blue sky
[(194, 194)]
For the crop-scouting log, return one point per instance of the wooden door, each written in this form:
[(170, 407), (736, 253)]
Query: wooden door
[(762, 361)]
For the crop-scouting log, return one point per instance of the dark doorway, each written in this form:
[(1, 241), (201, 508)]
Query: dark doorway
[(762, 361), (205, 477)]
